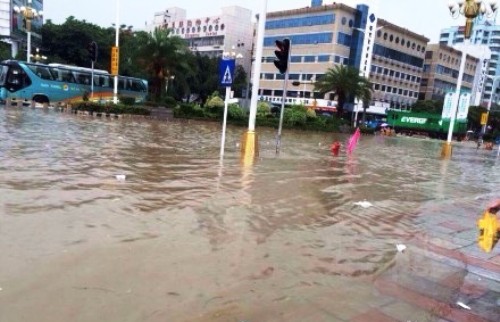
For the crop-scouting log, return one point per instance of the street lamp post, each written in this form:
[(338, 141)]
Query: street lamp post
[(249, 145), (470, 9), (38, 57), (117, 45), (493, 91), (28, 14)]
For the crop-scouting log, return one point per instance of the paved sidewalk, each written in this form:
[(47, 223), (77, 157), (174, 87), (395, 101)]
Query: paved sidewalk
[(443, 275)]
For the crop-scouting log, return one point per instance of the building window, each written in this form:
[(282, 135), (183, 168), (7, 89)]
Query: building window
[(344, 21), (301, 39), (323, 58), (344, 39), (300, 22), (296, 59), (309, 59)]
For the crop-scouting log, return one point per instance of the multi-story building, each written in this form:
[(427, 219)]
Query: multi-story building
[(441, 71), (397, 66), (484, 32), (230, 31), (323, 36), (13, 24)]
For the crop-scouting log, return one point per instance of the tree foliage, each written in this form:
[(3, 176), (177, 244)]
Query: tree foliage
[(428, 106), (161, 56), (343, 81)]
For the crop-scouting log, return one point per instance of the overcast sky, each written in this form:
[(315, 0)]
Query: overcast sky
[(426, 17)]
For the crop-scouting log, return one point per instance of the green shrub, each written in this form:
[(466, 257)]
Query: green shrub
[(189, 110), (170, 101), (150, 104), (127, 100), (296, 115), (263, 109), (215, 106), (96, 108), (235, 112)]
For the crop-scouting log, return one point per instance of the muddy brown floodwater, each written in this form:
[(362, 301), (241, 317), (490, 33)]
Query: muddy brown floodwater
[(185, 238)]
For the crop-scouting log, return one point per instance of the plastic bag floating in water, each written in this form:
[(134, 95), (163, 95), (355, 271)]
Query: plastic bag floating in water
[(400, 247), (364, 204)]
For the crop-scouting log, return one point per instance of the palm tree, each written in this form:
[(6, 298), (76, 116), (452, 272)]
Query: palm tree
[(343, 81), (161, 56)]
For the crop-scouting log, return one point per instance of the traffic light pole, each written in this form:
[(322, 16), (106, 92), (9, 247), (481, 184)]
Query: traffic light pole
[(92, 83), (282, 112), (282, 63)]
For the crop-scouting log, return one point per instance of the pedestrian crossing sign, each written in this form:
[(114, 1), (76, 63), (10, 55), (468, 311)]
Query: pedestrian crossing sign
[(226, 72)]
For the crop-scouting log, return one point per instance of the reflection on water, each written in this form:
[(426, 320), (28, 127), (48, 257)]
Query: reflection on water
[(185, 229)]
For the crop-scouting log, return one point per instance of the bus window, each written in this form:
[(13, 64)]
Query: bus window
[(41, 71), (121, 83), (101, 80), (137, 85), (3, 74), (17, 79), (63, 75), (82, 78), (105, 81)]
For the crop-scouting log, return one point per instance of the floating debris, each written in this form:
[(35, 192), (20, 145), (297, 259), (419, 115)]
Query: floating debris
[(462, 305), (121, 177), (364, 204), (400, 247)]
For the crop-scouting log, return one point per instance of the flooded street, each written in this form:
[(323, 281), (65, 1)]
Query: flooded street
[(181, 237)]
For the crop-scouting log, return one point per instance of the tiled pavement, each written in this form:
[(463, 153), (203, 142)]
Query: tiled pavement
[(441, 268)]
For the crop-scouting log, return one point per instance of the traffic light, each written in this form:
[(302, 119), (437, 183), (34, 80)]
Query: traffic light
[(282, 55), (92, 49)]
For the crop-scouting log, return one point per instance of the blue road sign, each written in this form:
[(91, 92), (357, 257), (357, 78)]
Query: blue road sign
[(226, 72)]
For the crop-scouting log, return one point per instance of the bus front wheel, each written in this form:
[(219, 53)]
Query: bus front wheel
[(40, 99)]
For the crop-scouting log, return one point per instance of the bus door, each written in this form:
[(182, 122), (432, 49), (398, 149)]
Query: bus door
[(17, 83)]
